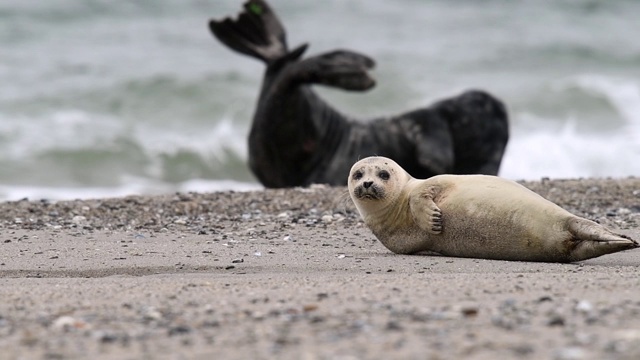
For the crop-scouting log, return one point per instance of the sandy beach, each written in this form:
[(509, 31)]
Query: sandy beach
[(294, 274)]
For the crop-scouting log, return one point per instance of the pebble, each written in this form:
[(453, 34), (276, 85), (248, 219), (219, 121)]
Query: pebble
[(569, 353), (79, 220), (575, 339), (68, 323), (583, 306)]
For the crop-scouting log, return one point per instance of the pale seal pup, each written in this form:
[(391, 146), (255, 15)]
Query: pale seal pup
[(297, 139), (478, 216)]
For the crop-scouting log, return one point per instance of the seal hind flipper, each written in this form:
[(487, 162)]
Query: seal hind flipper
[(256, 32), (343, 69), (590, 240)]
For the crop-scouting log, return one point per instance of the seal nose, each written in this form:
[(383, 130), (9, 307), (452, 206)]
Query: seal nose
[(367, 184)]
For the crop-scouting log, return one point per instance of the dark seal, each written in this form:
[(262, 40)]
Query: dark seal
[(297, 139)]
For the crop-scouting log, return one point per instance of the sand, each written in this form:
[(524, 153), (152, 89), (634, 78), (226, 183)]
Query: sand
[(294, 274)]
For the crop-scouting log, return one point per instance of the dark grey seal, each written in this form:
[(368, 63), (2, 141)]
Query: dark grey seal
[(297, 139)]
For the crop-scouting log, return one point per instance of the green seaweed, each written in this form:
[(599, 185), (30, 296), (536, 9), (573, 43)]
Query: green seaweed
[(255, 8)]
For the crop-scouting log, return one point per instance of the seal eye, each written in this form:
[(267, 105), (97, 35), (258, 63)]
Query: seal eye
[(384, 175), (357, 175)]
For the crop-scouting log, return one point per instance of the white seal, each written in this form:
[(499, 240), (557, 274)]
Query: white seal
[(479, 216)]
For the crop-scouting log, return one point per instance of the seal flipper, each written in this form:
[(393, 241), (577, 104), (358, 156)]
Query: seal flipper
[(341, 68), (257, 32), (426, 213), (592, 240)]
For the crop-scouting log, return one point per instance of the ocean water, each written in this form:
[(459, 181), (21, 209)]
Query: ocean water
[(101, 98)]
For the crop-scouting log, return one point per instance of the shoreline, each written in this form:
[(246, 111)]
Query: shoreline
[(294, 273), (610, 201)]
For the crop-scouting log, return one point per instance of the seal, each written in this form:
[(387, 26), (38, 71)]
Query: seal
[(478, 216), (297, 139)]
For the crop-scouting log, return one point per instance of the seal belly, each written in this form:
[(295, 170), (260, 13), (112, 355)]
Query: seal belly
[(499, 219)]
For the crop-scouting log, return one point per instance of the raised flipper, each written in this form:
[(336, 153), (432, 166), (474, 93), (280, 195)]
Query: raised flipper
[(341, 68), (256, 32), (426, 214), (592, 240)]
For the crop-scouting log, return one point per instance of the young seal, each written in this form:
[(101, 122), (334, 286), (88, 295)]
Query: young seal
[(477, 216), (297, 139)]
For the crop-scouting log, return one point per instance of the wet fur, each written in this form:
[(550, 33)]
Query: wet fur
[(297, 139)]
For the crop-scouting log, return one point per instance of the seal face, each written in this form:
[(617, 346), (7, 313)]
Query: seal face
[(370, 189), (472, 216), (297, 139)]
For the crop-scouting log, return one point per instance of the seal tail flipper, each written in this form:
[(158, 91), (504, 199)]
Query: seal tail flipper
[(593, 240), (341, 68), (256, 32)]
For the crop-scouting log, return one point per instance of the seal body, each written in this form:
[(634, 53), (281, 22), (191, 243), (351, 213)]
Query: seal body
[(477, 216), (297, 139)]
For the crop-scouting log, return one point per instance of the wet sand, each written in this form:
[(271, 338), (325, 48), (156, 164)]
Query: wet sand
[(294, 274)]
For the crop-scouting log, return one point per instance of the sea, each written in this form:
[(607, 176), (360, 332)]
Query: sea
[(102, 98)]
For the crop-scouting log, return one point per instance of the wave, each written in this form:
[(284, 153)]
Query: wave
[(562, 151), (132, 187), (76, 148)]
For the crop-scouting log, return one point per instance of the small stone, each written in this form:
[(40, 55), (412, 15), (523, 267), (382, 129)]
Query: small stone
[(68, 323), (393, 325), (105, 337), (470, 311), (179, 330), (327, 219), (310, 307), (151, 313), (584, 307), (523, 349), (569, 353), (556, 320), (78, 219), (624, 211)]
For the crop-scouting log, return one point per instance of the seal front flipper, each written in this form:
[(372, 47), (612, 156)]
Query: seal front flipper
[(426, 214), (590, 239), (341, 68), (256, 32)]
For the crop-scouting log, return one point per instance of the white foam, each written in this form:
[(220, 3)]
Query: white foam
[(565, 153), (73, 129), (14, 193), (623, 95)]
